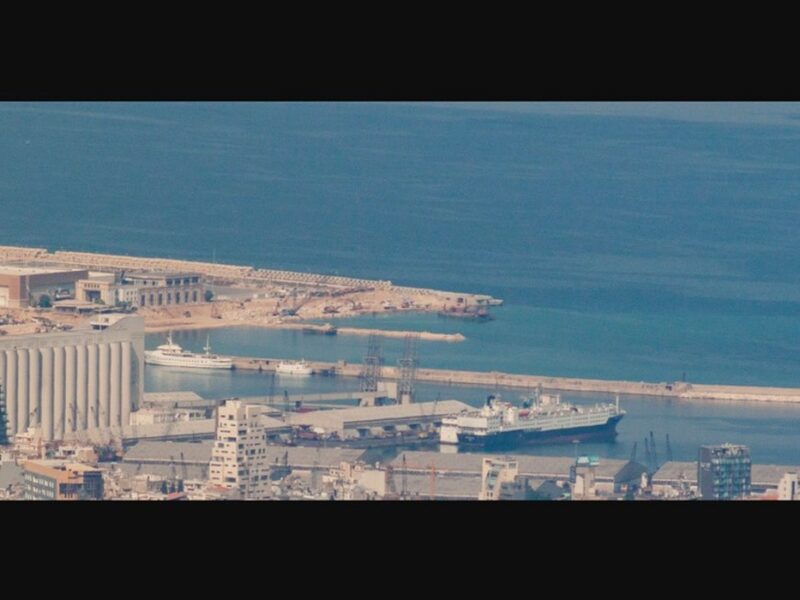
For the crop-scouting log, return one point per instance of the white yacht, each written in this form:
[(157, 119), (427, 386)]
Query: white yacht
[(293, 367), (172, 355)]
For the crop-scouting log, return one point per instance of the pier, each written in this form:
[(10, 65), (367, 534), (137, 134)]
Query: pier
[(674, 390)]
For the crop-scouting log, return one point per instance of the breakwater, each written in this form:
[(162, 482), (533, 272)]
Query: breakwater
[(675, 390)]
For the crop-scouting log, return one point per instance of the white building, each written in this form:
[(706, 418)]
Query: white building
[(152, 416), (583, 478), (351, 478), (73, 381), (239, 456), (789, 487), (495, 472)]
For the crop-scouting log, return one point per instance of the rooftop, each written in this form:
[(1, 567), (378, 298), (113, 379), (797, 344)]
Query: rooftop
[(171, 397), (193, 428), (163, 275), (20, 270), (199, 453), (760, 475), (550, 467), (61, 464), (10, 474), (335, 419)]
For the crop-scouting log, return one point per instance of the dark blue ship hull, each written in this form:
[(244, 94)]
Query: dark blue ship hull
[(509, 440)]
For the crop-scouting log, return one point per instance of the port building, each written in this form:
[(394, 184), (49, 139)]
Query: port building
[(61, 480), (22, 286), (376, 421), (66, 383), (142, 289)]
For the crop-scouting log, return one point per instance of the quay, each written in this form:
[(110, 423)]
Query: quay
[(424, 335), (668, 390)]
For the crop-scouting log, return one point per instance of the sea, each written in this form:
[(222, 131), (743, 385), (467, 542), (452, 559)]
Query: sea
[(638, 241)]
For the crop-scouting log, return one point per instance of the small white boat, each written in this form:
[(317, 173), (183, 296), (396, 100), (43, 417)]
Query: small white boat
[(293, 367), (172, 355)]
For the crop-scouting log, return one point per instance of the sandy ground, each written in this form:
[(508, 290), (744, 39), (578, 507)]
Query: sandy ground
[(261, 312), (265, 312)]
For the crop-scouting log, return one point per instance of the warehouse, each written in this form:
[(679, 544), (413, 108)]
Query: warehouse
[(25, 286), (376, 421)]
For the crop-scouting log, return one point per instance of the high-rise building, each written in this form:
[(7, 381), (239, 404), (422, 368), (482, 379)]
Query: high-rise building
[(72, 381), (723, 472), (239, 456)]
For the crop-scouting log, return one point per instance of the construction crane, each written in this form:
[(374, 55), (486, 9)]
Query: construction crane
[(295, 304), (429, 468), (653, 450)]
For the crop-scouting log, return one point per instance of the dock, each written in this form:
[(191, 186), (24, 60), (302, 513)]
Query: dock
[(493, 379)]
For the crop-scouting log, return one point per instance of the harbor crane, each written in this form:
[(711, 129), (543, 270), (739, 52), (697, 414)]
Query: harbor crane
[(653, 450), (669, 450)]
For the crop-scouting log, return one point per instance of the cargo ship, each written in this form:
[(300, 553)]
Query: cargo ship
[(543, 419)]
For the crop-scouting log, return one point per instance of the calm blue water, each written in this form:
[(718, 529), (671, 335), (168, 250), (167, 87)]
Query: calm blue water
[(770, 430), (629, 241)]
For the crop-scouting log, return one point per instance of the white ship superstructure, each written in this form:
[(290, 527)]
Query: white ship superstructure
[(542, 419), (172, 355), (294, 367)]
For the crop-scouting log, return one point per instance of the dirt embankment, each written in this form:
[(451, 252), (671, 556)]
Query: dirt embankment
[(290, 313)]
